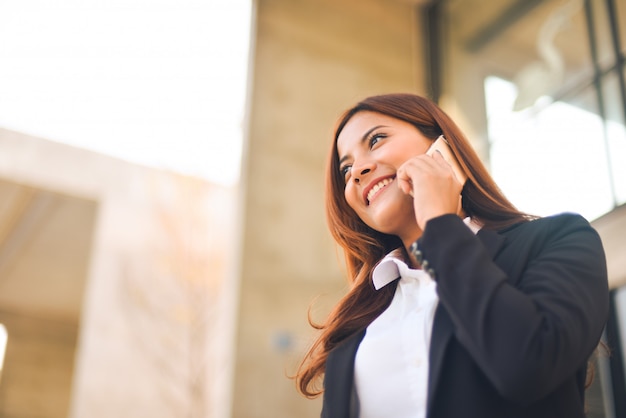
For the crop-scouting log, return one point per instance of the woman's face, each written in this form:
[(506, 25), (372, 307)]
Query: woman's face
[(371, 147)]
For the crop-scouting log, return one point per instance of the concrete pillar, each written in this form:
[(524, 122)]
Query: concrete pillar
[(312, 59)]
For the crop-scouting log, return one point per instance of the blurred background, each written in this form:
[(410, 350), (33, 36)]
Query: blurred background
[(162, 230)]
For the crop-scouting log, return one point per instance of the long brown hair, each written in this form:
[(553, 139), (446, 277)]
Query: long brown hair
[(364, 246)]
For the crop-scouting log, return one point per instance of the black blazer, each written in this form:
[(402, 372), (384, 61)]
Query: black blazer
[(520, 312)]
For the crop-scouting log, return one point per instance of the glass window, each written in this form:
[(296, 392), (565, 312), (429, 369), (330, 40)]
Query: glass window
[(549, 160), (602, 29), (616, 132), (620, 8), (542, 112)]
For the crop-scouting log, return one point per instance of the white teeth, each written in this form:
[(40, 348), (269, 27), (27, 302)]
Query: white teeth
[(377, 187)]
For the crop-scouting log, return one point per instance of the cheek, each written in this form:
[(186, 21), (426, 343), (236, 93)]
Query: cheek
[(351, 197)]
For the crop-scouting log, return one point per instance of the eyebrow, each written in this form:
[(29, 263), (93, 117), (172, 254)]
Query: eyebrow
[(364, 138)]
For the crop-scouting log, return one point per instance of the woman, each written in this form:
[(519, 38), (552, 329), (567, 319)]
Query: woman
[(460, 305)]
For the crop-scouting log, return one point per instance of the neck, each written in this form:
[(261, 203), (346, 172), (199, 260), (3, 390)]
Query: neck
[(407, 241)]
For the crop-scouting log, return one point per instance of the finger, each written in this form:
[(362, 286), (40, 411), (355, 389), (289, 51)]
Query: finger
[(437, 156), (407, 173), (404, 183), (404, 176)]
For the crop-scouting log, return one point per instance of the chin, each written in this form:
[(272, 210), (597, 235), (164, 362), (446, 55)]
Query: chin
[(391, 226), (391, 219)]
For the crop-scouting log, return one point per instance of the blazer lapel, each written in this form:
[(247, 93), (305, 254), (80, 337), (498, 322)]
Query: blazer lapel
[(442, 324), (339, 378), (441, 334)]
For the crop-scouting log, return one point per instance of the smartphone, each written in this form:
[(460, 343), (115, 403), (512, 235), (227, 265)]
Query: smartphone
[(442, 146)]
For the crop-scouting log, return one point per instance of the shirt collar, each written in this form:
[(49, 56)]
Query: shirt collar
[(472, 224), (392, 267), (387, 270)]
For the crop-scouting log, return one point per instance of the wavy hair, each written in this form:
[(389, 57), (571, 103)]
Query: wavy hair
[(364, 247)]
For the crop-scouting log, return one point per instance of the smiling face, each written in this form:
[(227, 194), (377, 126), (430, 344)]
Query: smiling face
[(371, 147)]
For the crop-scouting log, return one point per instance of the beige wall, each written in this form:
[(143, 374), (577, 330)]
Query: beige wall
[(45, 248), (155, 317), (312, 59), (38, 367)]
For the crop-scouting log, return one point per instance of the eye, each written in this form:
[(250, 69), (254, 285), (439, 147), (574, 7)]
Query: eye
[(345, 170), (375, 139)]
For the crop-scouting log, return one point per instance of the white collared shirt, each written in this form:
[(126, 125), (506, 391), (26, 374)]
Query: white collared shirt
[(391, 365)]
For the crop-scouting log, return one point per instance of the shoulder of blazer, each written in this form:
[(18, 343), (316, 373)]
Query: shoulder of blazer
[(562, 221), (549, 227), (527, 240)]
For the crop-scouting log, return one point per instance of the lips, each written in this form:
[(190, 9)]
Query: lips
[(375, 187)]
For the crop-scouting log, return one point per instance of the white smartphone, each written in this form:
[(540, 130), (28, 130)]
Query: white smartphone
[(442, 146)]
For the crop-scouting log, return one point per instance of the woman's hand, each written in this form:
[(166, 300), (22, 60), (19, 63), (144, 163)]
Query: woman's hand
[(433, 185)]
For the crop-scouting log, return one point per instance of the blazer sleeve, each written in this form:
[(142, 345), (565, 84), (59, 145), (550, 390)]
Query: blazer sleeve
[(528, 333)]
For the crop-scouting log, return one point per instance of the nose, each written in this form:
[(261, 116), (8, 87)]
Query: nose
[(362, 170)]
